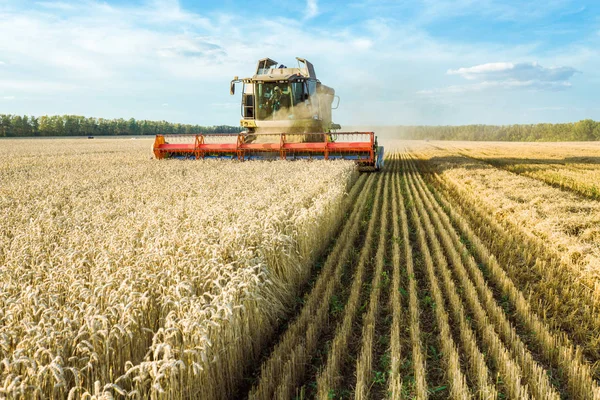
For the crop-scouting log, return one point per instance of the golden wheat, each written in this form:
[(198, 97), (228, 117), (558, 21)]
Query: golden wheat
[(126, 277), (122, 274)]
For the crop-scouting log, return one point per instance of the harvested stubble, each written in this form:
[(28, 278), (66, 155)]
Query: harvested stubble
[(507, 367), (124, 275), (523, 222), (492, 344), (416, 345), (556, 348), (304, 332), (364, 362), (579, 381), (570, 166), (329, 379), (566, 220), (395, 379), (458, 384), (477, 368)]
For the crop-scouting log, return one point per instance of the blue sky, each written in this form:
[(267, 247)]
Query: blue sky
[(391, 62)]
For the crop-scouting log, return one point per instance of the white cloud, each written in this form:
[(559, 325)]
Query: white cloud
[(506, 84), (312, 9), (507, 76), (552, 108), (107, 45), (8, 97), (510, 71), (496, 9), (471, 72), (56, 5), (124, 60), (2, 63), (362, 44)]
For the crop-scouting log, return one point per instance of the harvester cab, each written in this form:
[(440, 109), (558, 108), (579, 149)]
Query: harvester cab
[(281, 99), (286, 114)]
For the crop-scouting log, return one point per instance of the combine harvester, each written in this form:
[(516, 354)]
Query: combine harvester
[(286, 113)]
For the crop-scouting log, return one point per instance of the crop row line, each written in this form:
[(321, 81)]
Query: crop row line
[(285, 361), (329, 378), (556, 348), (477, 367), (458, 384), (537, 269), (418, 358), (486, 307), (364, 361), (395, 380), (508, 368)]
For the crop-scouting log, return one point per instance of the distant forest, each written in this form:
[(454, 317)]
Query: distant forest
[(75, 125), (585, 130)]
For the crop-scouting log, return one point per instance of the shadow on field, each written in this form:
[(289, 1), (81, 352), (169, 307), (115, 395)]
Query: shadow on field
[(541, 161), (440, 164)]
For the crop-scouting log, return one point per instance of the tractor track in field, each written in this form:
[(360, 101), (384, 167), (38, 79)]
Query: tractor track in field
[(409, 302)]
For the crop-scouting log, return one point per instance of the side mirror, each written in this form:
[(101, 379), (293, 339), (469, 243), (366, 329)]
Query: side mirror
[(232, 88), (336, 104)]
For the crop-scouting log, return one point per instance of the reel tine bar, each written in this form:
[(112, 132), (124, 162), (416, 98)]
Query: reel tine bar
[(358, 146)]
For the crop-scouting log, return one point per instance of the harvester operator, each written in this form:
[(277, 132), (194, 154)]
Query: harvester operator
[(276, 99)]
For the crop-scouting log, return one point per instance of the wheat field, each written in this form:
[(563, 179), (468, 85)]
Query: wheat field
[(449, 274), (122, 275), (571, 166)]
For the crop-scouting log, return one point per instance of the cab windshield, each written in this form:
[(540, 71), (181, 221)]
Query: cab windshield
[(278, 101)]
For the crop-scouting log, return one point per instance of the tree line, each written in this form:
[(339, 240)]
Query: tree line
[(75, 125), (584, 130)]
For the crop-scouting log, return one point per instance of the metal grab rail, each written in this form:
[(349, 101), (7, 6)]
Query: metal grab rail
[(238, 146)]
